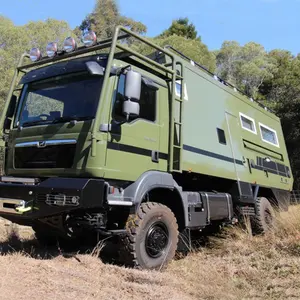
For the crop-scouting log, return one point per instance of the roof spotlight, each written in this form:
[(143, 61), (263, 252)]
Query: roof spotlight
[(89, 39), (35, 54), (51, 49), (69, 44)]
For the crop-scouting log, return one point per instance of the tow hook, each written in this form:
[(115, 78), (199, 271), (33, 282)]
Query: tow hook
[(21, 207)]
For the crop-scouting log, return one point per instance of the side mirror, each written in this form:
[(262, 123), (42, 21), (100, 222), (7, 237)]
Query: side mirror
[(133, 85), (11, 107), (131, 109)]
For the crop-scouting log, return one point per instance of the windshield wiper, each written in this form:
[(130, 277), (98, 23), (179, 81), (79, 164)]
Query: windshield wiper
[(36, 122), (71, 118)]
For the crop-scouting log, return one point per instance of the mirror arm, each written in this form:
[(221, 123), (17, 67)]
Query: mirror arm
[(123, 70)]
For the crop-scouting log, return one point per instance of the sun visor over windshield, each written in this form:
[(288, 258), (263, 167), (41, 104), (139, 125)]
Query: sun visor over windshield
[(58, 69)]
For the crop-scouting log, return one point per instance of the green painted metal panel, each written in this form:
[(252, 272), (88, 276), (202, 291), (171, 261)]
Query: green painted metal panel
[(211, 105), (129, 151)]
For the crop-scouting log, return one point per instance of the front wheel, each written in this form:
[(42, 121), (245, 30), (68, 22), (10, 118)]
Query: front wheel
[(152, 237)]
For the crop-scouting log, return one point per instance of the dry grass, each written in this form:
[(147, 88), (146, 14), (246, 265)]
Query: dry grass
[(234, 266)]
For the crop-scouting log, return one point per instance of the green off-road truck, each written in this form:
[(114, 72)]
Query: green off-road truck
[(148, 148)]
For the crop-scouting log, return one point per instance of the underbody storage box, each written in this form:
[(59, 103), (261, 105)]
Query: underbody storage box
[(205, 207), (219, 205)]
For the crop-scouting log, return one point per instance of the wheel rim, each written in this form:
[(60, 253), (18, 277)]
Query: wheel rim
[(157, 239)]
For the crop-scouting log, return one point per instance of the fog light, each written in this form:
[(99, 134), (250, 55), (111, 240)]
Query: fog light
[(75, 200)]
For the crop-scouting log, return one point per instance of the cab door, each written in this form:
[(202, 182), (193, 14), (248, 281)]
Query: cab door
[(133, 145)]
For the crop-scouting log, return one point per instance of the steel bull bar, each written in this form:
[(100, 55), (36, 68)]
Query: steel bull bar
[(33, 198)]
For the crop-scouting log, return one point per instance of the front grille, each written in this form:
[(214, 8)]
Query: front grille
[(56, 156)]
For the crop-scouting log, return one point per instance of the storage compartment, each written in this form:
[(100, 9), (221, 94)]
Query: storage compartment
[(206, 207), (219, 206)]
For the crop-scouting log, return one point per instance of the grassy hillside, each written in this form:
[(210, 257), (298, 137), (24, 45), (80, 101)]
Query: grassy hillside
[(236, 267)]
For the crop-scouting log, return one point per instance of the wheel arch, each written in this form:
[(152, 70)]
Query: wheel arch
[(159, 187), (277, 197), (170, 198)]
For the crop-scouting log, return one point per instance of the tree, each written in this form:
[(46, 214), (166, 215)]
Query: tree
[(194, 49), (282, 92), (105, 17), (182, 27), (246, 67)]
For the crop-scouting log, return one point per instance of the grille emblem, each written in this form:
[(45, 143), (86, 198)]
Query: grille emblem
[(41, 144)]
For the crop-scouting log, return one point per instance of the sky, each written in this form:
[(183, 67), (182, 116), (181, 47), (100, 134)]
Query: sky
[(273, 23)]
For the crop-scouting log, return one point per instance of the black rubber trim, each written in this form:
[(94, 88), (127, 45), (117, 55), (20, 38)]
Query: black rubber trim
[(272, 170), (164, 156), (212, 154), (134, 149)]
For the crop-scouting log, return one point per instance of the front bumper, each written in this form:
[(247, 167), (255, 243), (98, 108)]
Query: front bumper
[(22, 198)]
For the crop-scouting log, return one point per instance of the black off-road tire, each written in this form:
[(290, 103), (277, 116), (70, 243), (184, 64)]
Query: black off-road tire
[(264, 218), (151, 239)]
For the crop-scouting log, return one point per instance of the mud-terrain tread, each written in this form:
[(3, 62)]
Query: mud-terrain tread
[(257, 221), (128, 252)]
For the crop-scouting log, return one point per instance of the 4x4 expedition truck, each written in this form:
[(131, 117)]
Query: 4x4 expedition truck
[(150, 148)]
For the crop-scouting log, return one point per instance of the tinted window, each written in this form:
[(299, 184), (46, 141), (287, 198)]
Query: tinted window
[(248, 123), (269, 135), (147, 101), (64, 96), (221, 136)]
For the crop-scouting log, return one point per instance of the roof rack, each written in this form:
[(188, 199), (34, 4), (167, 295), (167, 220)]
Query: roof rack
[(216, 77)]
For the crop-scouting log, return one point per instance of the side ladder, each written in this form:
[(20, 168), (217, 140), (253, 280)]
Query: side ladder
[(176, 140)]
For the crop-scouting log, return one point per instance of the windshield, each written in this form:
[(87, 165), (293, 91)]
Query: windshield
[(60, 99)]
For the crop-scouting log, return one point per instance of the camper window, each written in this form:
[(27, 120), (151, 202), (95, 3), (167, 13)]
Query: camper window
[(268, 135), (247, 123)]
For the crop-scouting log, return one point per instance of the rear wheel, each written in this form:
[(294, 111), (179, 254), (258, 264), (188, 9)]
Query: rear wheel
[(264, 218), (152, 237)]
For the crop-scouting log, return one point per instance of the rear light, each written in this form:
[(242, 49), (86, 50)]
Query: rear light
[(89, 39), (51, 49), (35, 54), (70, 44)]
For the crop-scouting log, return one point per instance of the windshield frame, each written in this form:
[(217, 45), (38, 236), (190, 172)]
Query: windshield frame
[(26, 88)]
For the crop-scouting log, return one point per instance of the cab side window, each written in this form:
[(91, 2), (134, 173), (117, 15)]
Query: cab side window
[(147, 101)]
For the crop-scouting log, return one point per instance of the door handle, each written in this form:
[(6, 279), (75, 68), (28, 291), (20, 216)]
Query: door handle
[(155, 156)]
